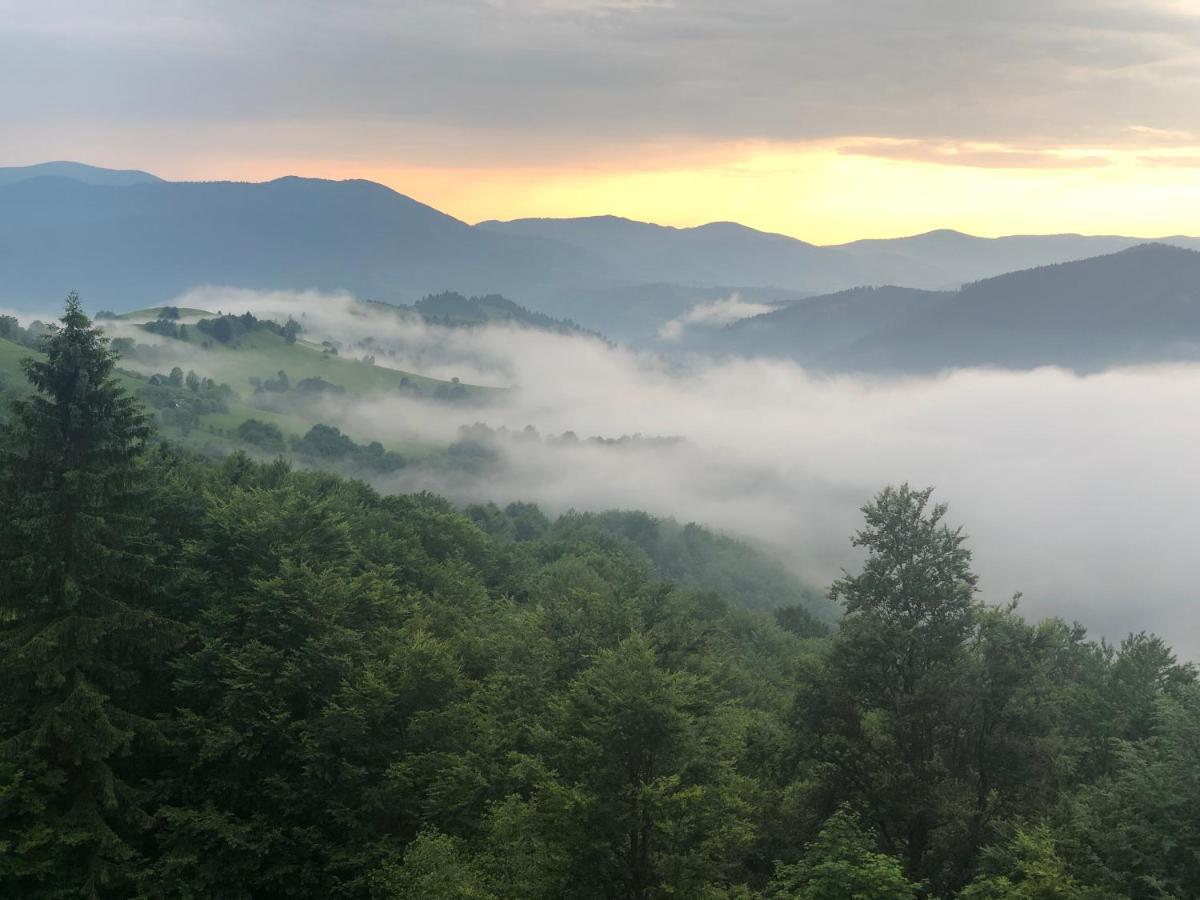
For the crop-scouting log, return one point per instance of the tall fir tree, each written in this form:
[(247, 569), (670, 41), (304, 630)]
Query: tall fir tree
[(76, 624)]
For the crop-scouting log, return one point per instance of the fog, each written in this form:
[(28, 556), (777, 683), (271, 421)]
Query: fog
[(1079, 492), (718, 312)]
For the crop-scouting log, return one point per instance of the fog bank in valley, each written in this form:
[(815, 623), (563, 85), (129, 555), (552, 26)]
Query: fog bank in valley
[(1079, 492)]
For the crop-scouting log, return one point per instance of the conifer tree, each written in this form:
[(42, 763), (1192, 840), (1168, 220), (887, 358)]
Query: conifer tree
[(76, 625)]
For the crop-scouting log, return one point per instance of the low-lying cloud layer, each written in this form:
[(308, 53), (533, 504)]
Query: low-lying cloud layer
[(714, 314), (1080, 492)]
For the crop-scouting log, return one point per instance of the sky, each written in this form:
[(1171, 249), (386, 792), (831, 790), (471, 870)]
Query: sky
[(828, 120)]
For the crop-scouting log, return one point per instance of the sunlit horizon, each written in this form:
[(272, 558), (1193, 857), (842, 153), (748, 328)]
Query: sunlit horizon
[(827, 193)]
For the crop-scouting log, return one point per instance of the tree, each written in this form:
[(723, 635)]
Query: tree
[(291, 330), (1140, 823), (842, 864), (264, 435), (192, 381), (325, 442), (433, 869), (77, 627), (892, 714), (1029, 867), (653, 751), (175, 379)]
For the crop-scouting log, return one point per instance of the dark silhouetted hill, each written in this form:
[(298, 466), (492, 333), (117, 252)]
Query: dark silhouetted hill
[(1140, 305)]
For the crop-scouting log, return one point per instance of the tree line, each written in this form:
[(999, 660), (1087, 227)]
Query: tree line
[(230, 679)]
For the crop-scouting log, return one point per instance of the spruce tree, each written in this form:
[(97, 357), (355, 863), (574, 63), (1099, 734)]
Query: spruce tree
[(76, 624)]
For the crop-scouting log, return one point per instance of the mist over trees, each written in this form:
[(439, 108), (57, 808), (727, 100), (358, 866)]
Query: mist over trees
[(225, 678)]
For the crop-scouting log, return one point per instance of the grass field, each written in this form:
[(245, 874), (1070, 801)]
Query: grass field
[(10, 360), (298, 363), (149, 315), (13, 377), (261, 354)]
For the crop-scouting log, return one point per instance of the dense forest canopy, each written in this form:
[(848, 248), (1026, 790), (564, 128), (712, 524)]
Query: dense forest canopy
[(228, 678)]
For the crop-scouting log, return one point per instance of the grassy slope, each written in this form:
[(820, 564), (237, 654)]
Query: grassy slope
[(269, 353), (149, 315), (302, 359), (13, 379), (10, 361)]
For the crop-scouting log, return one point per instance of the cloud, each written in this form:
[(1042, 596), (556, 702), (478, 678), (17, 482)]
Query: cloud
[(715, 313), (975, 155), (367, 80), (1078, 491), (1167, 136)]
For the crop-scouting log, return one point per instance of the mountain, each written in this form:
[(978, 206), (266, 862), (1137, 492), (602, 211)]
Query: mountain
[(950, 258), (127, 239), (141, 244), (730, 254), (810, 329), (454, 310), (636, 313), (78, 172), (717, 253), (662, 271), (1140, 305)]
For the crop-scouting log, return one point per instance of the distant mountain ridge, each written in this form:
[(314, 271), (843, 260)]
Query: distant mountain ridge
[(78, 172), (716, 253), (143, 244), (1139, 305), (127, 239), (733, 254), (810, 330)]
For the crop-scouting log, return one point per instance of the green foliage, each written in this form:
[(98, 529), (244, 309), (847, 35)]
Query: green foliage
[(78, 624), (266, 436), (230, 329), (182, 400), (235, 679), (1139, 823), (687, 555), (11, 330), (842, 864), (163, 327), (325, 443), (1029, 868), (937, 715), (434, 868), (652, 753), (455, 310)]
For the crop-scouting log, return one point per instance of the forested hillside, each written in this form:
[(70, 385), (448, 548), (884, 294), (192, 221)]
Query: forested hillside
[(1138, 306), (234, 680)]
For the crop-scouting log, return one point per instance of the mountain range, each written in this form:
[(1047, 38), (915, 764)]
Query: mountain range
[(1139, 305), (128, 239)]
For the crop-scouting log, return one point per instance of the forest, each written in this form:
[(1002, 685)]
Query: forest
[(232, 678)]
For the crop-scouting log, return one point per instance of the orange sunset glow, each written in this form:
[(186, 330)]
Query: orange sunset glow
[(815, 120), (826, 193)]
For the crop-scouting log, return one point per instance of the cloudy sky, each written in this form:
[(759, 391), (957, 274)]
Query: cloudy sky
[(825, 119)]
